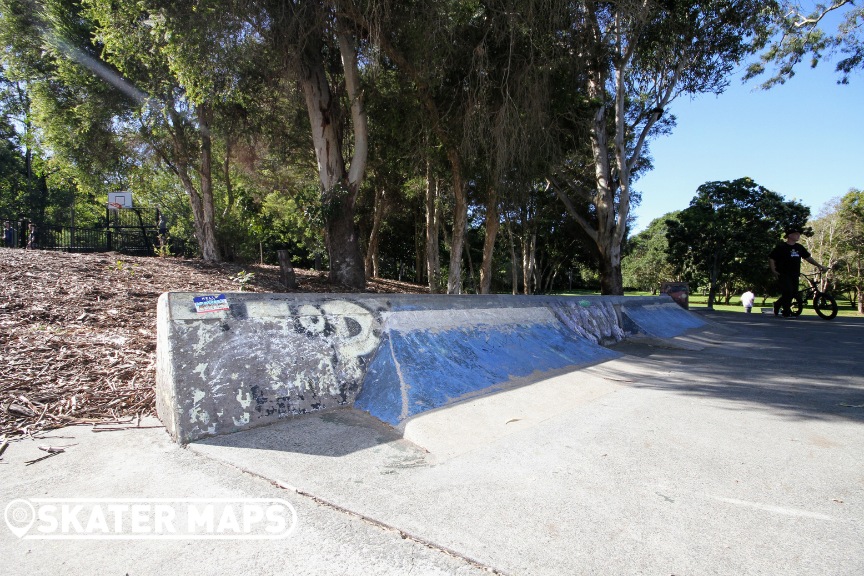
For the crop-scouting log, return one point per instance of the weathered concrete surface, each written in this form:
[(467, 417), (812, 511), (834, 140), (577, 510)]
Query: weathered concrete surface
[(270, 356), (145, 463), (659, 320), (743, 459)]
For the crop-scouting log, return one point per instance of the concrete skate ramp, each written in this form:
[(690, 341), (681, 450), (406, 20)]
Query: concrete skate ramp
[(430, 358), (256, 358), (660, 320)]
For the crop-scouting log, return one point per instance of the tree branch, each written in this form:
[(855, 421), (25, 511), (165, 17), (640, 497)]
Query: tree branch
[(358, 113), (571, 209), (817, 16)]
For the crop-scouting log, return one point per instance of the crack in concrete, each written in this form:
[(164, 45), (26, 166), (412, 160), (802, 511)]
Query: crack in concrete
[(368, 519)]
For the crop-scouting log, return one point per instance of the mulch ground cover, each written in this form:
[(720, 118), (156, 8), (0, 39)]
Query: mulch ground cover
[(78, 331)]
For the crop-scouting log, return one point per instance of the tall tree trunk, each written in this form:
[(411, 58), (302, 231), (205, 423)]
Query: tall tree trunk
[(200, 200), (613, 167), (859, 287), (209, 247), (469, 280), (460, 211), (339, 187), (24, 98), (460, 222), (371, 263), (514, 264), (492, 225), (611, 280), (419, 246), (195, 202), (860, 299), (433, 264), (226, 173), (343, 243), (529, 250), (712, 286)]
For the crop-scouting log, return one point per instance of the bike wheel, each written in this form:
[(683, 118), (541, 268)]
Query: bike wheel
[(825, 305), (797, 305)]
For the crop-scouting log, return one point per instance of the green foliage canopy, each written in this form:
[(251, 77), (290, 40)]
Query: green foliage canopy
[(645, 264), (726, 233), (801, 31)]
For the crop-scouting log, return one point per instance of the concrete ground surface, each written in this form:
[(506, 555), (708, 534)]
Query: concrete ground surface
[(743, 457)]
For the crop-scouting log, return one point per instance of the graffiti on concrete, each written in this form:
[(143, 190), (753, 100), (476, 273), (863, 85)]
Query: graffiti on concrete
[(597, 321), (273, 356), (273, 364)]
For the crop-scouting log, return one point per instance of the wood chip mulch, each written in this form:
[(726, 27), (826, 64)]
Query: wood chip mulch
[(78, 331)]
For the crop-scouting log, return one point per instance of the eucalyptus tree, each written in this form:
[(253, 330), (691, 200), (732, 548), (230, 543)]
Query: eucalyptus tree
[(13, 159), (306, 52), (102, 83), (633, 58), (507, 139), (211, 62), (838, 241), (310, 45), (645, 265), (180, 70), (65, 113), (829, 229), (852, 211), (800, 32), (544, 241), (394, 182), (478, 70), (426, 41)]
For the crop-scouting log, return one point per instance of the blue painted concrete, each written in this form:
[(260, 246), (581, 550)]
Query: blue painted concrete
[(393, 355), (415, 371)]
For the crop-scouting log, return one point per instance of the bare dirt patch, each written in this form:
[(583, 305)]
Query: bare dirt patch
[(78, 331)]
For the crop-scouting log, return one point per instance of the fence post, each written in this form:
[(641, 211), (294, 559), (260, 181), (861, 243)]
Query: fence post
[(286, 270)]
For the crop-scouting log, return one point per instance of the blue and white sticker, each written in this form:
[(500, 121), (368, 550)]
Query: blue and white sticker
[(204, 304)]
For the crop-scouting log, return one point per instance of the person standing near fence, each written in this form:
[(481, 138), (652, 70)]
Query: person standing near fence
[(8, 235), (785, 263), (32, 239)]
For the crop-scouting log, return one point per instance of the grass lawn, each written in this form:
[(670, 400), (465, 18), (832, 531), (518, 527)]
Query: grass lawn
[(700, 301)]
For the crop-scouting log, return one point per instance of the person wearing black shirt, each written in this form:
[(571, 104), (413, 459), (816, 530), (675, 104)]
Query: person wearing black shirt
[(785, 262)]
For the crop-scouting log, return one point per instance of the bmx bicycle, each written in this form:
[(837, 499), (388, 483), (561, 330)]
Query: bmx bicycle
[(823, 303)]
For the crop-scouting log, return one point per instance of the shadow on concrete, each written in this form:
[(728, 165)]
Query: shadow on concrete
[(347, 430), (805, 368), (333, 433)]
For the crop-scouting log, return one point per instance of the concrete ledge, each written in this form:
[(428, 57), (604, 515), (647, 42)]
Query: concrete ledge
[(270, 356)]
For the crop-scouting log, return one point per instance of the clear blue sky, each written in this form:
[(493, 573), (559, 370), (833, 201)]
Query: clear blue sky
[(803, 139)]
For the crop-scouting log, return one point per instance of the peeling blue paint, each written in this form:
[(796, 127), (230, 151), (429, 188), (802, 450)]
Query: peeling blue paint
[(417, 371), (272, 356), (662, 321)]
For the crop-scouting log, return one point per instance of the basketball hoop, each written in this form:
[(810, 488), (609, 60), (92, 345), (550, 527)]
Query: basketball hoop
[(119, 200)]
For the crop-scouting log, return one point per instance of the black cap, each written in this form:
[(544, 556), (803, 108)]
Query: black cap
[(793, 230)]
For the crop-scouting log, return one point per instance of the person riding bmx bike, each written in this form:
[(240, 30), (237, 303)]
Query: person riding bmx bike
[(785, 263)]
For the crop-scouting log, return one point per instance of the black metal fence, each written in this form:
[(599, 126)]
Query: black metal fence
[(127, 241), (124, 231), (73, 239)]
